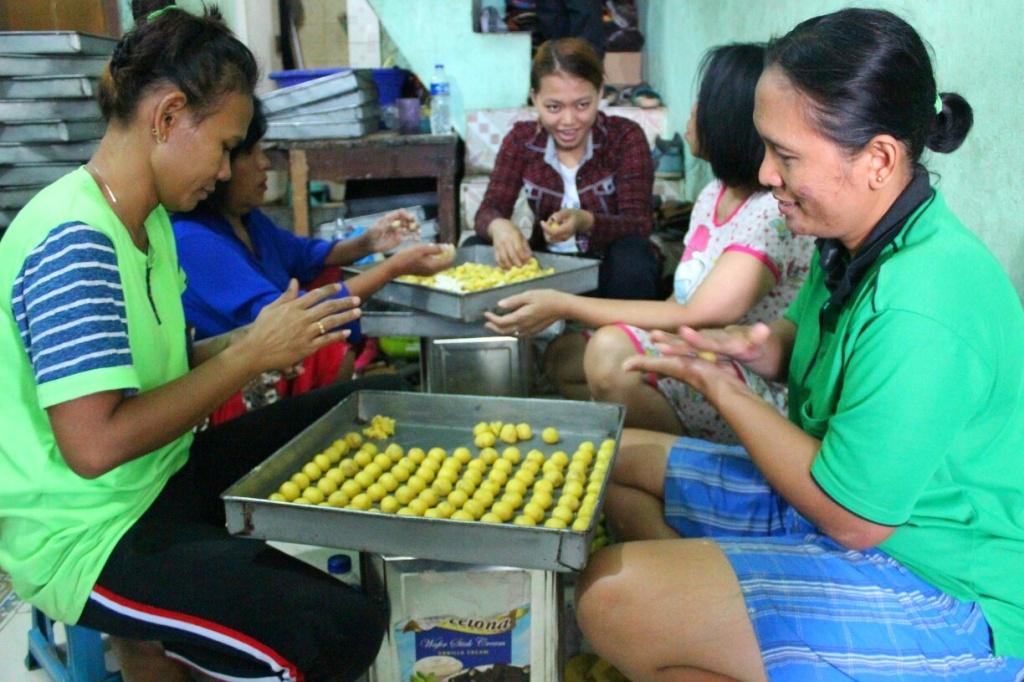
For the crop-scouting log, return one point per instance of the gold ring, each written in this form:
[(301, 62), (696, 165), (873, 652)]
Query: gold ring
[(320, 326)]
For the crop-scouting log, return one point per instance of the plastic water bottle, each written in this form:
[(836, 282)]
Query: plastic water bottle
[(440, 111)]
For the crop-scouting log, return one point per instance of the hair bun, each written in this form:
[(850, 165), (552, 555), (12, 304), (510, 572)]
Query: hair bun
[(121, 54), (951, 124)]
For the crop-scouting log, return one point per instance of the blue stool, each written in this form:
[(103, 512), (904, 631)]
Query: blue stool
[(81, 660)]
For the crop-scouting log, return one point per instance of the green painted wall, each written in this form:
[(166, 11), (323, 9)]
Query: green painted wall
[(977, 52), (485, 70)]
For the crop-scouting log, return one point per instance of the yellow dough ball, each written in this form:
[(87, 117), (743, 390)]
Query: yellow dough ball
[(477, 465), (581, 524), (314, 495), (445, 509), (300, 479), (426, 474), (484, 497), (353, 439), (419, 505), (437, 454), (401, 473), (473, 507), (405, 511), (457, 498), (594, 487), (515, 499), (555, 523), (361, 502), (583, 456), (362, 458), (559, 459), (431, 464), (491, 517), (301, 500), (489, 456), (511, 455), (508, 434), (541, 499), (481, 427), (503, 510), (389, 504), (338, 449), (576, 467), (364, 478), (370, 449), (383, 461), (576, 476), (394, 452), (338, 499), (573, 488), (323, 461), (534, 511), (416, 484), (348, 467), (531, 466), (493, 487), (334, 473), (503, 465), (375, 470), (526, 476), (312, 470), (524, 520), (276, 497), (473, 476), (417, 455), (568, 502), (608, 444), (442, 486), (535, 455), (389, 481), (484, 440), (587, 446), (555, 477), (462, 455), (376, 492), (289, 490), (564, 514), (523, 431), (467, 486), (543, 486), (515, 486), (351, 488), (404, 495), (460, 515), (496, 427), (429, 496), (432, 513), (550, 435), (498, 476), (326, 485)]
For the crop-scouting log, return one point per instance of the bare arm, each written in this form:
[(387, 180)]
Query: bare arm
[(780, 449), (736, 283), (421, 259), (98, 432)]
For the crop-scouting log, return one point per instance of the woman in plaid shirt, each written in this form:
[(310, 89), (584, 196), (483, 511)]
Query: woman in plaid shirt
[(588, 178)]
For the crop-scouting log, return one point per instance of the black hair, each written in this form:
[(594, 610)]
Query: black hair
[(197, 54), (868, 72), (574, 56), (257, 129), (726, 136)]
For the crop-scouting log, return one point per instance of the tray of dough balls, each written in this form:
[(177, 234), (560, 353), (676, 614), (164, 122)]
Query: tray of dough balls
[(474, 283), (475, 479)]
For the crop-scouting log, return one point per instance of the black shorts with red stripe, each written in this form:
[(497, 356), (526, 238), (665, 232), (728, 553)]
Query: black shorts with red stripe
[(231, 607)]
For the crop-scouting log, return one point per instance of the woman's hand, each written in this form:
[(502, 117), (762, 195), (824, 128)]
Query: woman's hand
[(510, 247), (422, 259), (567, 223), (532, 312), (293, 326), (391, 230)]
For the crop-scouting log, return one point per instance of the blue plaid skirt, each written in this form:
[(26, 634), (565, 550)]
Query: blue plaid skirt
[(821, 611)]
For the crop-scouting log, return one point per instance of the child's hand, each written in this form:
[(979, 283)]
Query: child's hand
[(391, 230)]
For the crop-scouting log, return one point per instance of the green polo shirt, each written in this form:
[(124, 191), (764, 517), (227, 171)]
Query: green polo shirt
[(916, 390), (82, 310)]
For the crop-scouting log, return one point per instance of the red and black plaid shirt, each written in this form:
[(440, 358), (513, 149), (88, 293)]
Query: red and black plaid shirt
[(614, 184)]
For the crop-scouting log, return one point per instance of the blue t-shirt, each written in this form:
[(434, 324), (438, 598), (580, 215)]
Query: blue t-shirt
[(227, 284)]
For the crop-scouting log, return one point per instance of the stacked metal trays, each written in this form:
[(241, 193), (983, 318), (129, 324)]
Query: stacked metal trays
[(573, 275), (423, 420)]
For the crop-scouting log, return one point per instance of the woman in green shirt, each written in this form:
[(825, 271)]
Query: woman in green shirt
[(878, 532)]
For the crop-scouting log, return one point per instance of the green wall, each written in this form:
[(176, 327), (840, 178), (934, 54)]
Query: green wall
[(977, 51), (485, 70)]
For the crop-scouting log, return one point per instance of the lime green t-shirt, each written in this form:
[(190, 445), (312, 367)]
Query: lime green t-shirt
[(916, 389), (82, 310)]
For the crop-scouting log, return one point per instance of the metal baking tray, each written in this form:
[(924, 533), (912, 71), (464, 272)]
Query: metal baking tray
[(40, 153), (573, 275), (16, 197), (353, 100), (316, 130), (41, 87), (55, 42), (12, 110), (334, 86), (363, 112), (36, 65), (423, 420), (33, 174), (53, 130)]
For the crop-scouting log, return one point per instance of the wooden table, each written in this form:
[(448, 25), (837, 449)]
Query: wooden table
[(376, 156)]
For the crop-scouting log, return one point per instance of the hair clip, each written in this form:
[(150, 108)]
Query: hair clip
[(938, 103), (156, 14)]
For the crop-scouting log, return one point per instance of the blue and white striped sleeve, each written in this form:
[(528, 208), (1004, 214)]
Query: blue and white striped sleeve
[(69, 305)]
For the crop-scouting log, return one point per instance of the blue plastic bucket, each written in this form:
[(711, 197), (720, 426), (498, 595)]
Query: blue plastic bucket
[(283, 79), (389, 84)]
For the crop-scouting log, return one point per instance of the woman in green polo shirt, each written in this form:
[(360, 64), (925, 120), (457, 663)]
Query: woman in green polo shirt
[(878, 532), (109, 506)]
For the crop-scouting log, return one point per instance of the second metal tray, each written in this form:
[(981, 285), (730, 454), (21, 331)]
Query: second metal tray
[(423, 420), (573, 275)]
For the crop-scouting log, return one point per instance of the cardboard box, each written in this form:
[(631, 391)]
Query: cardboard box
[(459, 622), (623, 68)]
